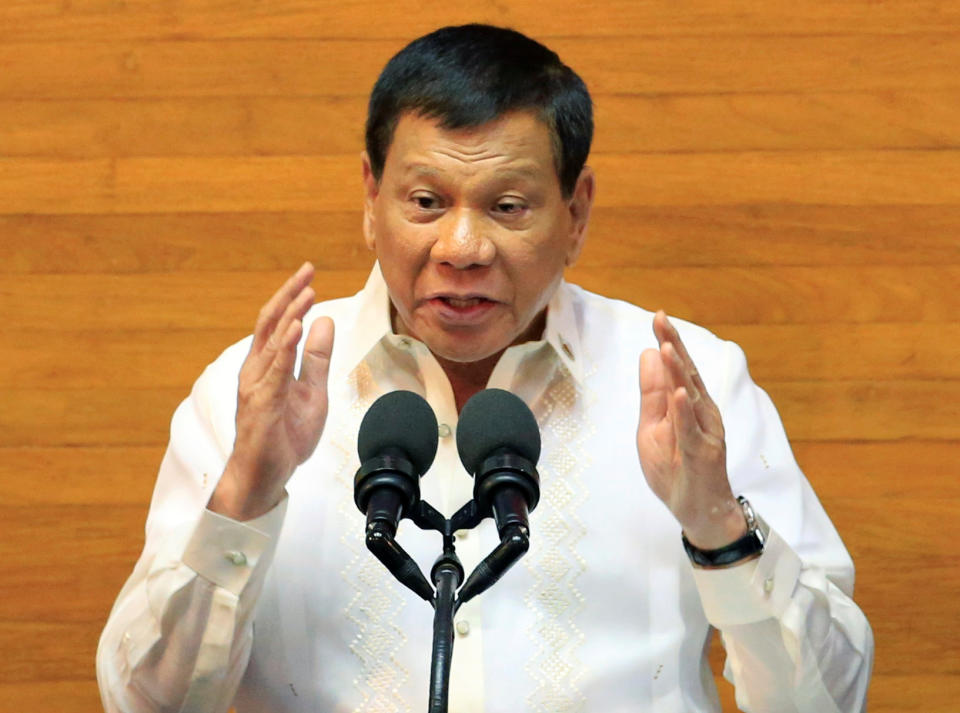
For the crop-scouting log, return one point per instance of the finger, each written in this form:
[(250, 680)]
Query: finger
[(653, 388), (260, 361), (686, 424), (666, 333), (280, 370), (295, 311), (275, 307), (700, 403), (316, 354)]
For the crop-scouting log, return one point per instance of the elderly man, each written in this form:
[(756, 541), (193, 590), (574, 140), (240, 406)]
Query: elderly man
[(254, 589)]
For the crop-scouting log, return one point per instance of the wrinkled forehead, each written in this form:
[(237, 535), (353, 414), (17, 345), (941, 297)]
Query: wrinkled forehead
[(523, 136)]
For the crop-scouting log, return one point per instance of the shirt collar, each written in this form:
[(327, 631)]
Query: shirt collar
[(563, 331), (372, 324)]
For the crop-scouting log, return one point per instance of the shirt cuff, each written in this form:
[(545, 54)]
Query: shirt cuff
[(756, 590), (227, 551)]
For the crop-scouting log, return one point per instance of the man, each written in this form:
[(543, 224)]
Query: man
[(254, 588)]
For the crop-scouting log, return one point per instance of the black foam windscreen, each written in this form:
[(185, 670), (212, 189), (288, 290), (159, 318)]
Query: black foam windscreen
[(399, 419), (496, 420)]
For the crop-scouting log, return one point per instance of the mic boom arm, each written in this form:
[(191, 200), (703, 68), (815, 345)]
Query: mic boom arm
[(506, 487), (514, 543)]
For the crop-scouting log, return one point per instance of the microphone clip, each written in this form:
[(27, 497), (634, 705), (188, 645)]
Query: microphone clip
[(506, 487), (386, 488)]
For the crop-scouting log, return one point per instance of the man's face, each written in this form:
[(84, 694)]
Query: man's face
[(472, 231)]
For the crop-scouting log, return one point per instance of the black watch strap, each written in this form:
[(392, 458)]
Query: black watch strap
[(746, 548)]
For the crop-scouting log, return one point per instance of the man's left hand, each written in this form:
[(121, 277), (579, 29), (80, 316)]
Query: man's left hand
[(680, 441)]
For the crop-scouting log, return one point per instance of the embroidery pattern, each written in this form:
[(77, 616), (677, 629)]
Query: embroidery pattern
[(553, 562), (376, 603)]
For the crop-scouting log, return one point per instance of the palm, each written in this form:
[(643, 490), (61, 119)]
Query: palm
[(304, 419), (280, 417), (680, 439), (657, 443)]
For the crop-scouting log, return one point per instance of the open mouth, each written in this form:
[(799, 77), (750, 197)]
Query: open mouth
[(462, 310), (463, 302)]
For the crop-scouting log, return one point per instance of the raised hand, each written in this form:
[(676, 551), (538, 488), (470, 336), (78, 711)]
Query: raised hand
[(680, 441), (279, 417)]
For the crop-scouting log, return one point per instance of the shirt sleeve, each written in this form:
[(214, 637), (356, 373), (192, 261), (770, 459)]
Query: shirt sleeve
[(180, 633), (795, 639)]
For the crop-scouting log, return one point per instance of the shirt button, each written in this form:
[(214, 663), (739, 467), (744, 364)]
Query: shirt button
[(444, 430), (237, 558), (566, 349), (461, 534), (768, 585), (463, 627)]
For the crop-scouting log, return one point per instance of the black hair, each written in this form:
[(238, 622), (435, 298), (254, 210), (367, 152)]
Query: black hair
[(469, 75)]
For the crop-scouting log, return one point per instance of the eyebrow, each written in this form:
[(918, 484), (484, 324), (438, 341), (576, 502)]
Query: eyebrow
[(423, 169)]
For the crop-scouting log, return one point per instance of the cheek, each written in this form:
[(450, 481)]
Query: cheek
[(533, 273), (402, 252), (542, 256)]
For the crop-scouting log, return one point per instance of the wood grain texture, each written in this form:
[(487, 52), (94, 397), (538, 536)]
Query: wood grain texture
[(672, 236), (172, 358), (641, 65), (784, 173), (850, 410), (97, 476), (626, 123), (51, 696), (321, 183), (48, 20)]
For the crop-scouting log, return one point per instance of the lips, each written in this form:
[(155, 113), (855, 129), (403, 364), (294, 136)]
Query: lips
[(463, 302), (461, 310)]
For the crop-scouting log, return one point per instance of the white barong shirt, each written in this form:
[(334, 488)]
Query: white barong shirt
[(605, 614)]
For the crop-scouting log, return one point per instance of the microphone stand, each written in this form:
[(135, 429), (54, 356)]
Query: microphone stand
[(447, 573), (506, 487)]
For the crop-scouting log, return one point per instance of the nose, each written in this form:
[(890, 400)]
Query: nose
[(462, 242)]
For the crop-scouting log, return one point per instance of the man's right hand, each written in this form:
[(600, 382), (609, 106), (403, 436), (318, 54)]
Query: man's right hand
[(279, 417)]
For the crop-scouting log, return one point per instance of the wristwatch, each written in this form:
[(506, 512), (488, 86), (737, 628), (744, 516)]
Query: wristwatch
[(748, 547)]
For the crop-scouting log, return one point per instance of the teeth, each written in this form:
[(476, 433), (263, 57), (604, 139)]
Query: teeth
[(458, 302)]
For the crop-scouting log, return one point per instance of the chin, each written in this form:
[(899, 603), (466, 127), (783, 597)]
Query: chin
[(464, 350), (463, 356)]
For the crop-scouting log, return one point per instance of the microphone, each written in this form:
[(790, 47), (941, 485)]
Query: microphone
[(397, 443), (499, 444)]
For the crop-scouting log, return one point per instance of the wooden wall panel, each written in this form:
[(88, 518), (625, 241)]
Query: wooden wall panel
[(651, 236), (637, 123), (48, 20), (322, 183), (784, 173), (137, 360), (71, 69)]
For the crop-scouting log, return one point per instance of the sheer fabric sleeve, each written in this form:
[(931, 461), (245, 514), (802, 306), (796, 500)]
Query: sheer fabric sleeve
[(795, 639), (179, 635)]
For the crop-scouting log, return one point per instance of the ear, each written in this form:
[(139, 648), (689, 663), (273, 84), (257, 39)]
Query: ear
[(372, 190), (580, 204)]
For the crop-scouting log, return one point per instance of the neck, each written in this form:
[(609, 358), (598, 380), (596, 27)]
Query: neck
[(467, 378)]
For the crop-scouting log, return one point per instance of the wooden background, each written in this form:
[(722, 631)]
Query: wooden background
[(785, 173)]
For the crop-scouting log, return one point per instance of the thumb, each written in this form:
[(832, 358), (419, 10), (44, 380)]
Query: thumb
[(316, 354)]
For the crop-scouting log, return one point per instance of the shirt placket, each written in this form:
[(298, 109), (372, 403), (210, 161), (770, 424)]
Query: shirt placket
[(453, 488)]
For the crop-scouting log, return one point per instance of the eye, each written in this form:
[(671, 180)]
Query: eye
[(425, 201), (510, 206)]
